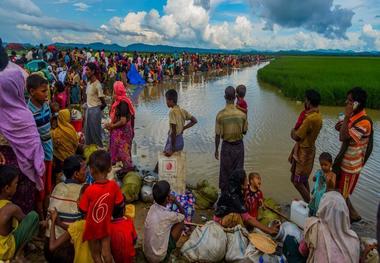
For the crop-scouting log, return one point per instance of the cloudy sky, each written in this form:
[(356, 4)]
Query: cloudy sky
[(232, 24)]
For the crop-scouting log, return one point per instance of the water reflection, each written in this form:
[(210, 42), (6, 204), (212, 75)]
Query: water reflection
[(271, 116)]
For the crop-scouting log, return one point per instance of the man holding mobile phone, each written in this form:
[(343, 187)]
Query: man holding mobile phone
[(356, 135)]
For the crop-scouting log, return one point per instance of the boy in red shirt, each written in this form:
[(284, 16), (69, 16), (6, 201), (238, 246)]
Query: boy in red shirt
[(241, 104), (123, 237), (98, 202)]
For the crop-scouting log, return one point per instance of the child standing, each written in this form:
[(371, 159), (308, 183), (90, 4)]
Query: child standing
[(324, 180), (98, 202), (61, 95), (16, 228), (162, 228), (177, 122), (241, 104), (294, 153), (177, 125), (38, 89), (253, 195), (123, 237), (74, 81)]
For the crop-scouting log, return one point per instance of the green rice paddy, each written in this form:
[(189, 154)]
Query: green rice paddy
[(331, 76)]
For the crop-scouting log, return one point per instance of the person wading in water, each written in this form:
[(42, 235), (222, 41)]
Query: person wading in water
[(356, 135)]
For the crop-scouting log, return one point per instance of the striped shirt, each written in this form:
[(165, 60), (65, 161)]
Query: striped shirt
[(42, 117), (353, 159), (231, 124)]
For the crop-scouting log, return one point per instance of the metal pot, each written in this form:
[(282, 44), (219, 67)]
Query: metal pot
[(146, 194), (149, 180)]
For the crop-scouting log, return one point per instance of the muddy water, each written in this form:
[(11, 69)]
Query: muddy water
[(267, 144)]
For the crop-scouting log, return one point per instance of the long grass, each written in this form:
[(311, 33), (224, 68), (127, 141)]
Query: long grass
[(331, 76)]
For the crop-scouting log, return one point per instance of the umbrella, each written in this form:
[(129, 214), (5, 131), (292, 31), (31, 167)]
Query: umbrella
[(36, 65), (51, 48)]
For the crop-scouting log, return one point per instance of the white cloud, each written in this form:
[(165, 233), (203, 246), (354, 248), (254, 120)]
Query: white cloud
[(110, 10), (35, 31), (80, 38), (187, 22), (80, 6), (182, 23), (371, 37), (22, 6), (62, 1), (14, 12)]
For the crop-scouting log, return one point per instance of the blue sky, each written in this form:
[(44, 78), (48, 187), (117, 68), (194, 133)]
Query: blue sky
[(232, 24)]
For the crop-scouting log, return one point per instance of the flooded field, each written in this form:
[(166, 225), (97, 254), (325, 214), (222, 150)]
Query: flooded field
[(267, 143)]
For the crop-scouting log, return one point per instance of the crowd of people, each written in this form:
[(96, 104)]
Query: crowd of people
[(134, 68), (46, 183)]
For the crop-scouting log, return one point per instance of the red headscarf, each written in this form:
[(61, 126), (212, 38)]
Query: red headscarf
[(120, 95)]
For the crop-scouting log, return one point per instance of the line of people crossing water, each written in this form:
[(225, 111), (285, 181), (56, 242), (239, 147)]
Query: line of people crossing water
[(43, 169)]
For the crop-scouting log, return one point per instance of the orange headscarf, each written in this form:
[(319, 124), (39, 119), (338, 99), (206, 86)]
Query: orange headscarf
[(120, 95)]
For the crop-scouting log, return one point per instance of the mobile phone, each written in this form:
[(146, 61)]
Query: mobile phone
[(355, 105)]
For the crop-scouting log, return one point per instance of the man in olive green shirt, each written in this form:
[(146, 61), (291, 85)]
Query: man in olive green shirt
[(305, 136), (231, 125)]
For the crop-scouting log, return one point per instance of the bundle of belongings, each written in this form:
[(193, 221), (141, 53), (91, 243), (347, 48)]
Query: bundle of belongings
[(205, 195), (213, 243)]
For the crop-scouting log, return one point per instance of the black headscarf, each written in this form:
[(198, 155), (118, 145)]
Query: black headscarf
[(232, 201)]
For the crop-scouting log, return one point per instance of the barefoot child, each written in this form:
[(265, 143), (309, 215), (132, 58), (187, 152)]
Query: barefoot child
[(241, 104), (324, 181), (98, 202), (253, 196), (16, 228), (163, 228), (177, 122), (38, 89)]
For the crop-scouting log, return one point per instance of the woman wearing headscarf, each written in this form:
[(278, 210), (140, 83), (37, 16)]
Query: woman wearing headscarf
[(20, 144), (328, 236), (121, 128), (230, 209), (65, 139)]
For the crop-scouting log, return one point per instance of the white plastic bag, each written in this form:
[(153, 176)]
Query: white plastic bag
[(252, 254), (237, 243), (290, 229), (206, 244)]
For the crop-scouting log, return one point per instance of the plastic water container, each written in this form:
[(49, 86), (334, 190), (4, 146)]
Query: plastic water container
[(299, 211)]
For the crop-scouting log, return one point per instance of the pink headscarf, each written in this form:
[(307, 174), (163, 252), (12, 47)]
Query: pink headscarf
[(120, 95), (17, 125)]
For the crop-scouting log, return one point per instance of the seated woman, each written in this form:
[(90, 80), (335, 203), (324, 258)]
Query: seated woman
[(328, 237), (231, 210), (65, 139)]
